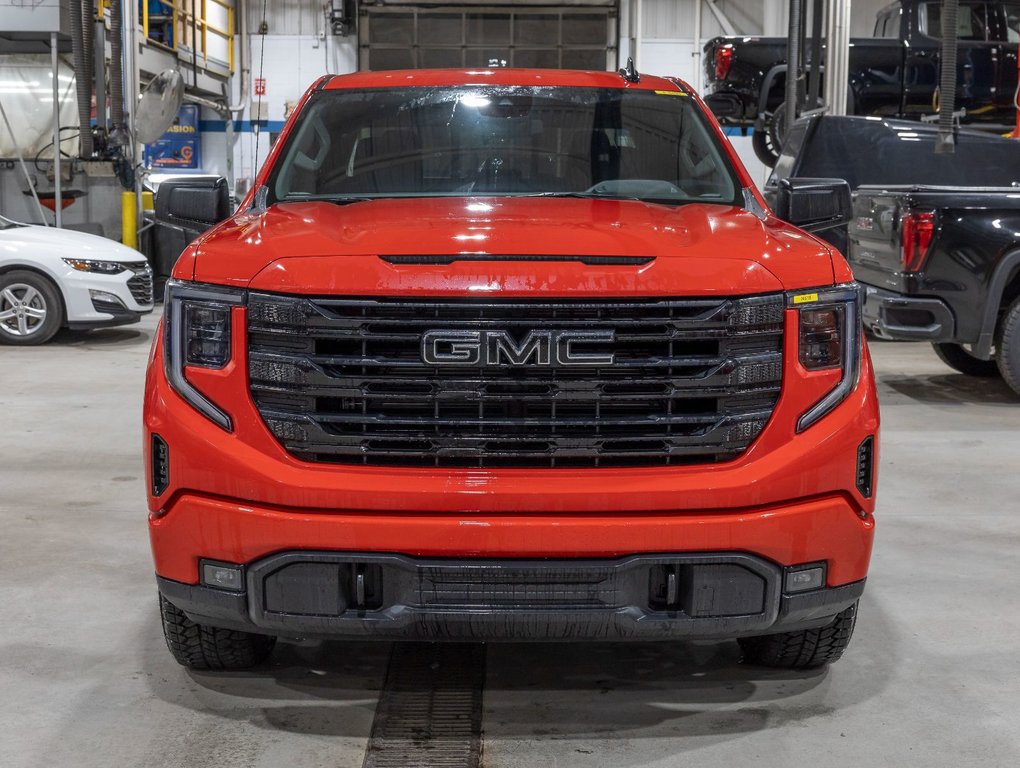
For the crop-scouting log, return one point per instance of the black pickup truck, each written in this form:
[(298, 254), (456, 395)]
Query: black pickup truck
[(893, 74), (934, 239)]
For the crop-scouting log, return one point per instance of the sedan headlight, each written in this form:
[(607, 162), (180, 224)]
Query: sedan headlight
[(829, 337), (100, 267), (196, 324)]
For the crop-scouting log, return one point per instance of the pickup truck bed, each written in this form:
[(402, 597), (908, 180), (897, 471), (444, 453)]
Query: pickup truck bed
[(893, 74)]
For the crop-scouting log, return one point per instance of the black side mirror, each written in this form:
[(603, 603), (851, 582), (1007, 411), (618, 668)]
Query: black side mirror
[(194, 203), (185, 208), (814, 204)]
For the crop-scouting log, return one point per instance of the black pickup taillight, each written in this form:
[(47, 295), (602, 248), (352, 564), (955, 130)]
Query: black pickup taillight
[(916, 231), (723, 61)]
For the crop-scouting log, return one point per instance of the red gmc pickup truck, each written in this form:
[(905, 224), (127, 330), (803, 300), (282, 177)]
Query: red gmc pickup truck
[(511, 355)]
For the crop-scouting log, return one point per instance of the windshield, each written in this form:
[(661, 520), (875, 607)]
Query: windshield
[(509, 140)]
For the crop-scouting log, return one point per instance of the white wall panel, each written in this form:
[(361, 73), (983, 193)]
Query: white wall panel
[(668, 57), (287, 17), (675, 18)]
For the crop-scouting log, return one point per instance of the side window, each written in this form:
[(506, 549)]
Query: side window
[(972, 23), (1012, 13), (888, 25)]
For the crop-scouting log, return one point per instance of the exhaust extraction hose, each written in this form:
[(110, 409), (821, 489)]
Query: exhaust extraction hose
[(83, 83), (116, 65), (947, 77)]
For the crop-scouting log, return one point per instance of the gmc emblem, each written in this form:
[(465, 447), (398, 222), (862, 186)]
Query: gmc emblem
[(538, 348)]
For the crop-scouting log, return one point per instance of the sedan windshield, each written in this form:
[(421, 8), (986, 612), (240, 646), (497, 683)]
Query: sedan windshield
[(351, 145)]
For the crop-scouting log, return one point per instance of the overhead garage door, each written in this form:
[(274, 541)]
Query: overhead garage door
[(396, 35)]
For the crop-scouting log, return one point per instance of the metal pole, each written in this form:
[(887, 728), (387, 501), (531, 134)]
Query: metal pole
[(636, 30), (24, 168), (132, 83), (57, 171), (99, 44), (837, 57), (814, 88), (697, 53), (793, 63)]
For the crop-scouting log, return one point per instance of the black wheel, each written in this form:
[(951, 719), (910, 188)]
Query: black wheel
[(1007, 354), (202, 647), (31, 309), (805, 649), (959, 359), (761, 142)]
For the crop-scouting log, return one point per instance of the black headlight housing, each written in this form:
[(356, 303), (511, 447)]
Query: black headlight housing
[(197, 332), (829, 336), (97, 266)]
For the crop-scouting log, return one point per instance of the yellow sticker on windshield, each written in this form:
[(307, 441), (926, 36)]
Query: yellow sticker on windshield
[(671, 93), (805, 298)]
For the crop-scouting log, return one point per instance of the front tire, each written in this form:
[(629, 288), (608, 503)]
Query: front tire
[(1007, 355), (198, 646), (959, 359), (31, 310), (806, 649)]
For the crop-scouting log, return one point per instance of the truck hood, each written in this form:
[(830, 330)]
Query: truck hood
[(695, 249)]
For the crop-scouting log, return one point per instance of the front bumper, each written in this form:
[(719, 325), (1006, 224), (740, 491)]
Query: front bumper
[(96, 300), (896, 316), (650, 597)]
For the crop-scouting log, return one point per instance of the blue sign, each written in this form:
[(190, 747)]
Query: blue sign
[(178, 147)]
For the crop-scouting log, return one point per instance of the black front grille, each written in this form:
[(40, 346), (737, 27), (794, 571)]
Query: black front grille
[(343, 380), (141, 284)]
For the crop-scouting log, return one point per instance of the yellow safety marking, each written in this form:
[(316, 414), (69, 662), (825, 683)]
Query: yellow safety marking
[(671, 93)]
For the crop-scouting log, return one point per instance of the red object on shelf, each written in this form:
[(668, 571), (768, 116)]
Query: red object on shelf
[(51, 202), (49, 199)]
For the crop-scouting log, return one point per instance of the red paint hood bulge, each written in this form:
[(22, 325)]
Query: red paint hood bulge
[(322, 248)]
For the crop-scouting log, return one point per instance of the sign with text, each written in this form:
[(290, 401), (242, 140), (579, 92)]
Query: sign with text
[(179, 146)]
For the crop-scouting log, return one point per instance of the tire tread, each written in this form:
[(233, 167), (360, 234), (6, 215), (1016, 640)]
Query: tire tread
[(198, 646), (1007, 355), (803, 649)]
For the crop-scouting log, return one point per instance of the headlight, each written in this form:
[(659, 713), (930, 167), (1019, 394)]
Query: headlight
[(196, 325), (102, 267), (829, 337)]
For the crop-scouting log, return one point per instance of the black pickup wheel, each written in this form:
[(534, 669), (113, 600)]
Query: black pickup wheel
[(1007, 354), (767, 136), (959, 359)]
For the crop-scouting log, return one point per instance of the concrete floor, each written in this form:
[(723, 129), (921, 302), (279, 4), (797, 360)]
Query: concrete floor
[(930, 679)]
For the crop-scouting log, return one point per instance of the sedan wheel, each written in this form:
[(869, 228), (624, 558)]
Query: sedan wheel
[(30, 309)]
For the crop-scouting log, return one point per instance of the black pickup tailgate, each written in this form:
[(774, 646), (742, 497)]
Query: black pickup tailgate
[(967, 220)]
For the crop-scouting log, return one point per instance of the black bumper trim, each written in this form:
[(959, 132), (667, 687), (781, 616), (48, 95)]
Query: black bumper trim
[(896, 316), (123, 316), (607, 603)]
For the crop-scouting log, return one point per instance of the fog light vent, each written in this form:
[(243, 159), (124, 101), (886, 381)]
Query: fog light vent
[(160, 465), (866, 466)]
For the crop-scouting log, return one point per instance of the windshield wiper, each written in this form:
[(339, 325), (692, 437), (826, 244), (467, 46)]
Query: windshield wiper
[(596, 196), (301, 197), (582, 195)]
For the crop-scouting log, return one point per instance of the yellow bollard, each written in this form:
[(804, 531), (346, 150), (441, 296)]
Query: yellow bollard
[(148, 201), (128, 220)]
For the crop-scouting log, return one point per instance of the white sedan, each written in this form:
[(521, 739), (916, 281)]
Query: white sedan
[(57, 278)]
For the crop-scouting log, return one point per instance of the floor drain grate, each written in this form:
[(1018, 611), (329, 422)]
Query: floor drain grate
[(430, 709)]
